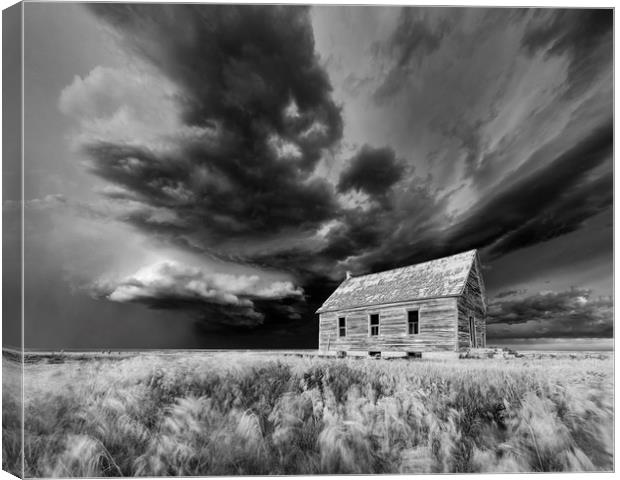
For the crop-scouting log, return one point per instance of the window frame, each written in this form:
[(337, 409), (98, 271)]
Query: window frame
[(370, 325), (343, 327), (409, 323)]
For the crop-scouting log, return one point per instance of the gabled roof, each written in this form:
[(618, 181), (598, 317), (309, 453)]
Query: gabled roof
[(443, 277)]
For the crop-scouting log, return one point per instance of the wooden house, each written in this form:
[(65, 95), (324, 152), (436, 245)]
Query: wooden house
[(435, 306)]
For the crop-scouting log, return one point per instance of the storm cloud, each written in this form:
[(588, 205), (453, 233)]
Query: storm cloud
[(573, 313), (225, 137), (249, 89), (546, 203), (218, 298), (372, 171), (248, 84)]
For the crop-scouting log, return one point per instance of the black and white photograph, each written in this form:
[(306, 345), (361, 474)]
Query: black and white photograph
[(285, 239)]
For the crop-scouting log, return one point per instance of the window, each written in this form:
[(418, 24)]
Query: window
[(342, 327), (413, 322), (374, 324)]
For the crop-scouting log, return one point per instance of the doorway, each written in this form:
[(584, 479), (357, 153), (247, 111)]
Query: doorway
[(472, 332)]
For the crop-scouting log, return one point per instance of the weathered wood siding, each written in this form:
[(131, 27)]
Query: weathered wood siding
[(437, 328), (472, 303)]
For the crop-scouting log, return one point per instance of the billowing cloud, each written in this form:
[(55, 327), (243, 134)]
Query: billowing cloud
[(133, 106), (372, 171), (572, 313), (225, 138), (248, 79), (249, 82), (217, 298)]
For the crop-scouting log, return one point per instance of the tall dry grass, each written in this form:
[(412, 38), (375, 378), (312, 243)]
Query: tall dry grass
[(154, 415)]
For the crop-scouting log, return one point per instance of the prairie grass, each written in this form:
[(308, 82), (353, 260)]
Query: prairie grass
[(236, 413)]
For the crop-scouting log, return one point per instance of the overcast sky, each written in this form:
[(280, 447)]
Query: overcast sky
[(204, 176)]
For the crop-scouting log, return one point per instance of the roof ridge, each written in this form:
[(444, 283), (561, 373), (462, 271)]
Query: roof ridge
[(473, 250), (437, 277)]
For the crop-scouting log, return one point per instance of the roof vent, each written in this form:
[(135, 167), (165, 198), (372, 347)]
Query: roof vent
[(348, 275)]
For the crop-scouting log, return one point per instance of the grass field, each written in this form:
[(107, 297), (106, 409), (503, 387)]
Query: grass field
[(243, 413)]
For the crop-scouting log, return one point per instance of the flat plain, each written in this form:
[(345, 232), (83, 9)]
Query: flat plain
[(229, 413)]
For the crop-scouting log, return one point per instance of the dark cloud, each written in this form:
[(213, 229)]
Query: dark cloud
[(406, 228), (565, 215), (572, 313), (544, 204), (209, 203), (372, 171), (257, 114), (239, 65), (285, 326), (534, 208), (359, 232), (409, 218), (250, 80), (585, 35), (250, 175)]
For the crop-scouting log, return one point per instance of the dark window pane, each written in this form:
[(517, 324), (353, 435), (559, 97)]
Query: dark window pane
[(413, 322), (374, 324)]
